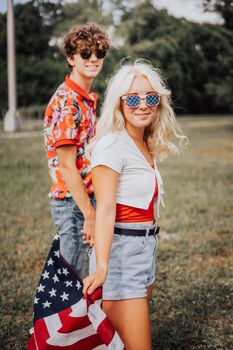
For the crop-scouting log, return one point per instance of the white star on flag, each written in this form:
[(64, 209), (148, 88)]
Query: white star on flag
[(57, 253), (50, 262), (36, 300), (68, 283), (52, 292), (65, 271), (55, 278), (41, 288), (45, 275), (78, 285), (64, 296), (59, 271), (46, 304)]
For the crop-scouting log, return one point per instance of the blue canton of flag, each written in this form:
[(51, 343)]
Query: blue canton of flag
[(59, 285)]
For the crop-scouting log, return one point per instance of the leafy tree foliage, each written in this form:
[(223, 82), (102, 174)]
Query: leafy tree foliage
[(197, 59), (37, 69), (81, 12), (224, 8)]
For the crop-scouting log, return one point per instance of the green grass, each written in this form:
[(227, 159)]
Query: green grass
[(192, 301)]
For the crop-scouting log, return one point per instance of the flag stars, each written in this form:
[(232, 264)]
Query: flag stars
[(68, 283), (36, 300), (41, 288), (46, 304), (64, 296), (50, 262), (57, 253), (78, 285), (55, 278), (65, 271), (52, 292), (45, 275)]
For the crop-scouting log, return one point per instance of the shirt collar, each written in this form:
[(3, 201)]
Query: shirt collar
[(79, 90)]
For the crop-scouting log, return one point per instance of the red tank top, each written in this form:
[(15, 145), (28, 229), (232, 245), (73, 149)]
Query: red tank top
[(126, 213)]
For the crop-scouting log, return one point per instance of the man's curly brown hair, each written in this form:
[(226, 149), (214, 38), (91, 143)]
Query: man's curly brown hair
[(87, 36)]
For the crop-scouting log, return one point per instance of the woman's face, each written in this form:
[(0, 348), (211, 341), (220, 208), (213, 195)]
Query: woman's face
[(143, 115)]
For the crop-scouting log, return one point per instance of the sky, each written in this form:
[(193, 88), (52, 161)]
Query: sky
[(190, 9)]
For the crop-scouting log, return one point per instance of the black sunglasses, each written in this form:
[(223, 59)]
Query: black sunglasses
[(86, 54)]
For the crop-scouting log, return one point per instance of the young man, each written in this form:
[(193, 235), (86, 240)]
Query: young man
[(61, 313), (69, 123)]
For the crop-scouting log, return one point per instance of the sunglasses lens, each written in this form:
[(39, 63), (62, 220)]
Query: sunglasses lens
[(85, 54), (100, 53), (152, 99), (132, 101)]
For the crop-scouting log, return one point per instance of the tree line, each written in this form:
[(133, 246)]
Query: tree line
[(195, 59)]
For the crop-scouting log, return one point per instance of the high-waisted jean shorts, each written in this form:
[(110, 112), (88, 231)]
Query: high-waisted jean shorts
[(131, 265)]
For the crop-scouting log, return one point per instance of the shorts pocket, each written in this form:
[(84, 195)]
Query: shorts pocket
[(134, 245)]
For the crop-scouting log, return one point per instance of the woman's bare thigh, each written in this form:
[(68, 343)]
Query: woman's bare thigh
[(131, 320)]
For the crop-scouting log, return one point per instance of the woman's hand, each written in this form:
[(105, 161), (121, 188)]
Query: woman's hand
[(93, 281)]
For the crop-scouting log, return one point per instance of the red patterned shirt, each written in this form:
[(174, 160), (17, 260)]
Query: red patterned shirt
[(70, 119)]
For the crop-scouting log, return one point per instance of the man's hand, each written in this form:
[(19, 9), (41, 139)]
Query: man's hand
[(88, 231), (89, 228)]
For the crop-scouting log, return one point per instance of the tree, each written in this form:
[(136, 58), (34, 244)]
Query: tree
[(33, 55), (195, 57), (224, 8), (81, 12)]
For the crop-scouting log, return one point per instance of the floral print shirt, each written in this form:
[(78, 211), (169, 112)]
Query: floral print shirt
[(70, 119)]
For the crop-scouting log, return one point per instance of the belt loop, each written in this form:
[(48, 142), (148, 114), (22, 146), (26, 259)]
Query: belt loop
[(147, 232)]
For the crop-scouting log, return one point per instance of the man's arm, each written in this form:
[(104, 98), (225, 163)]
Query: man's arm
[(73, 180)]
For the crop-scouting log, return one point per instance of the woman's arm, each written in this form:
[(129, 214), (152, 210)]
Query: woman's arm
[(105, 181)]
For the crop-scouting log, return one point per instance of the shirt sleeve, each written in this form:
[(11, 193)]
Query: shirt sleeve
[(107, 152), (66, 115)]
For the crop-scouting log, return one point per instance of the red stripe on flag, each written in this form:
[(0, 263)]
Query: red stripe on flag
[(106, 331), (73, 323), (41, 330), (31, 345), (64, 314)]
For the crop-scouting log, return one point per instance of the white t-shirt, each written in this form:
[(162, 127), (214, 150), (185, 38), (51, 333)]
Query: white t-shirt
[(137, 177)]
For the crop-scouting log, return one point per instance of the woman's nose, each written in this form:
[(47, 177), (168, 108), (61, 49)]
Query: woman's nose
[(143, 104)]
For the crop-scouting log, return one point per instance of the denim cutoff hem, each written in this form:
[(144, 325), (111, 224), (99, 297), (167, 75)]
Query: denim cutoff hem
[(131, 264)]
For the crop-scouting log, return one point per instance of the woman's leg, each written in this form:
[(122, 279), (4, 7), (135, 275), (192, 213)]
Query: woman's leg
[(131, 320)]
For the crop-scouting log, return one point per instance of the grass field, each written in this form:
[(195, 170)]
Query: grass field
[(192, 301)]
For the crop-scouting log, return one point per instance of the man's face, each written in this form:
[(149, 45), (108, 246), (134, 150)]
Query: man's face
[(86, 67)]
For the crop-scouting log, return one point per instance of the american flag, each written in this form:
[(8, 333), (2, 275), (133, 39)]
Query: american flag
[(65, 319)]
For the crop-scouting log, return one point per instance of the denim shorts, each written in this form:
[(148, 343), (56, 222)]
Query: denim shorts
[(69, 221), (131, 266)]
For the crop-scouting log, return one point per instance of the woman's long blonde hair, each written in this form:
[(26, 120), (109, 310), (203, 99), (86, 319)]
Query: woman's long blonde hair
[(163, 127)]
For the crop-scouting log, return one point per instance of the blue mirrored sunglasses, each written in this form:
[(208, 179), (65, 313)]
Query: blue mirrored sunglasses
[(133, 101)]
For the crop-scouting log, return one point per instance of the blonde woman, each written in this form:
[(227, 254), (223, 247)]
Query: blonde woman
[(133, 132)]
